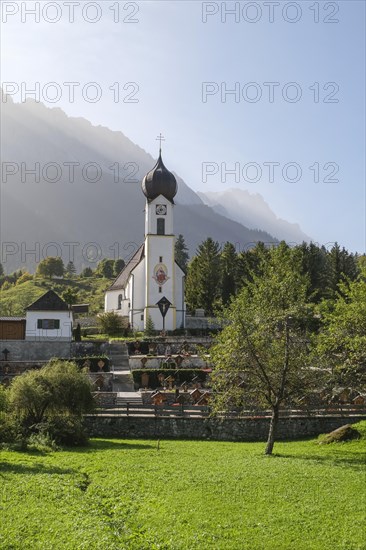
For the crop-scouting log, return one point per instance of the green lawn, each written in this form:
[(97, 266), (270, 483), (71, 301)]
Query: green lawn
[(187, 495)]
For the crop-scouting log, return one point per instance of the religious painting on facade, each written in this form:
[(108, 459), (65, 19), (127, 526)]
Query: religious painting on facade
[(160, 274)]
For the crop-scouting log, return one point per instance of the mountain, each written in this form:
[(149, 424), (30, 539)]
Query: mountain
[(64, 212), (251, 210)]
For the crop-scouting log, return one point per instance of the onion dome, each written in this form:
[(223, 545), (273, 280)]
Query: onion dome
[(159, 181)]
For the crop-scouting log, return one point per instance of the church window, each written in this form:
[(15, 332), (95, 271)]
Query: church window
[(119, 301), (160, 259), (160, 226), (142, 317), (160, 289)]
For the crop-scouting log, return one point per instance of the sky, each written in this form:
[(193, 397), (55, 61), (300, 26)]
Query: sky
[(263, 96)]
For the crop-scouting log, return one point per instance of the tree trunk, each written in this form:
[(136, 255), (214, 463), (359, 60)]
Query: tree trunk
[(272, 430)]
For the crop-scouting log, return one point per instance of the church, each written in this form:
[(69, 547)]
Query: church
[(151, 285)]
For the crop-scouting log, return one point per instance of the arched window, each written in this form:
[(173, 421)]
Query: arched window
[(119, 301)]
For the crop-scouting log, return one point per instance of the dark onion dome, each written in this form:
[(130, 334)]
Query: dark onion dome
[(159, 181)]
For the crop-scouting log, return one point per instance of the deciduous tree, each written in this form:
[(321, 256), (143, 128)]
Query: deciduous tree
[(51, 267), (261, 358)]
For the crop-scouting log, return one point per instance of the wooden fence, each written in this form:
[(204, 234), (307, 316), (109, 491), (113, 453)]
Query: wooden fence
[(192, 411)]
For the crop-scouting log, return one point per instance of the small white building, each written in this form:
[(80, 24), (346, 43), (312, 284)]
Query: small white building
[(152, 283), (49, 318)]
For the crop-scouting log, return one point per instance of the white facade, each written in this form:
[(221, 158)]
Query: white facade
[(62, 322)]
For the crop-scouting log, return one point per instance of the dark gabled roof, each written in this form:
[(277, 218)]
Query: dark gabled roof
[(48, 302), (122, 279), (181, 268)]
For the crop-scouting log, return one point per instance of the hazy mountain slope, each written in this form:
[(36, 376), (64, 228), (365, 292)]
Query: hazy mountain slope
[(107, 213), (252, 211)]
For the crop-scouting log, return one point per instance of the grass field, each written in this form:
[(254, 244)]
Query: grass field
[(186, 495)]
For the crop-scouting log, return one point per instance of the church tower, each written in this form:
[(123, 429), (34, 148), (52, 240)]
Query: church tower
[(160, 187), (151, 285)]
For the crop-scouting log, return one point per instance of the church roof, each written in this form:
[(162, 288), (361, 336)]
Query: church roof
[(159, 181), (48, 302), (122, 279)]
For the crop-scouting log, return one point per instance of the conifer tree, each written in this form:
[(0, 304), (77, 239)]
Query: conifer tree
[(203, 283), (181, 252)]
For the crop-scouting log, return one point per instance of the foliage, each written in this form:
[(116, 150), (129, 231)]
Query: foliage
[(93, 360), (70, 296), (229, 271), (70, 269), (204, 277), (57, 388), (342, 341), (24, 278), (15, 299), (181, 252), (113, 495), (51, 267), (87, 272), (110, 323), (119, 264), (180, 376), (150, 327), (4, 392), (105, 268), (261, 357), (41, 442)]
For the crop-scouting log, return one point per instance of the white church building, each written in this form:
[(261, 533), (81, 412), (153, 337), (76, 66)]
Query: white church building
[(152, 283)]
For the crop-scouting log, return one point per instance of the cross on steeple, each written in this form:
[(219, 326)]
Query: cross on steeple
[(160, 138)]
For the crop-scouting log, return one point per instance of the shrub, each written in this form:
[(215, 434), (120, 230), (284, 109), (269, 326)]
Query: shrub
[(181, 376), (51, 401), (150, 327), (63, 430), (42, 442), (110, 323)]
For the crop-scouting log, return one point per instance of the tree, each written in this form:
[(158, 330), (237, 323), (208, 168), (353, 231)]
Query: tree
[(315, 263), (105, 268), (204, 277), (119, 264), (343, 267), (70, 269), (261, 357), (59, 388), (51, 267), (24, 278), (70, 296), (1, 270), (87, 272), (181, 252), (150, 327), (342, 342), (229, 271), (110, 323), (250, 262)]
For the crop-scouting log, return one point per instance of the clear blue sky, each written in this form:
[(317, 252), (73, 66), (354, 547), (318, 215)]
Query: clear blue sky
[(169, 52)]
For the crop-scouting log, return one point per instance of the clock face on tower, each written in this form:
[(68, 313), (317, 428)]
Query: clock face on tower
[(160, 209)]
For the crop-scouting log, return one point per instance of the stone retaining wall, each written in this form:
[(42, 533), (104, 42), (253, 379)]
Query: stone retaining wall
[(208, 428), (23, 350)]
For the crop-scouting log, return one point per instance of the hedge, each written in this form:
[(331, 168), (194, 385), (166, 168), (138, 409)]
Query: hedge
[(94, 360), (180, 376)]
